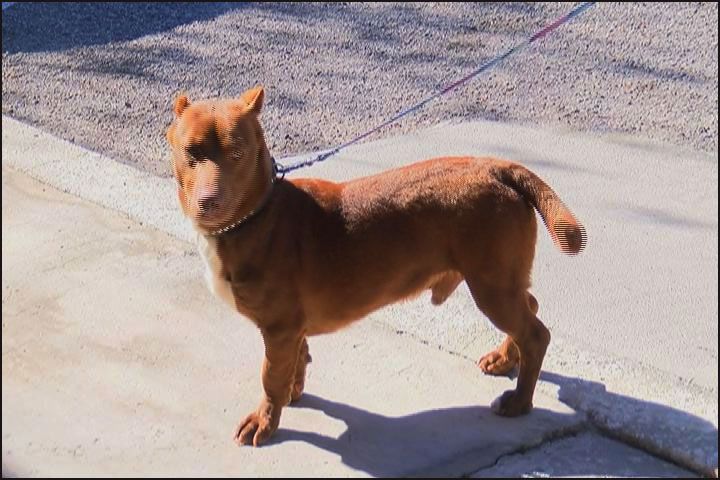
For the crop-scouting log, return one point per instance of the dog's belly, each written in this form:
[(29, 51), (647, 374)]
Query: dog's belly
[(335, 310), (213, 270)]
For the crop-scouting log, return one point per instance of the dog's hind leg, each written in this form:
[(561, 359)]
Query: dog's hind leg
[(510, 310), (504, 358), (303, 359)]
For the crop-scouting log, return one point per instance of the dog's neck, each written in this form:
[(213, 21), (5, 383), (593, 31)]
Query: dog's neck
[(263, 176)]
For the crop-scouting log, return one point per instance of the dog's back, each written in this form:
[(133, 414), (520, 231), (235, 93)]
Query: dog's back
[(390, 236)]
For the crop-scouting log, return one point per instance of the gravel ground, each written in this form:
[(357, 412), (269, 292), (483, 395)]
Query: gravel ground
[(104, 75)]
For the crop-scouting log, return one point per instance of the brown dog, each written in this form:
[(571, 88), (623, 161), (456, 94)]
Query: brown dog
[(307, 256)]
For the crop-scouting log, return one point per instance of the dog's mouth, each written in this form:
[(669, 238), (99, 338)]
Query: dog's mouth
[(213, 219)]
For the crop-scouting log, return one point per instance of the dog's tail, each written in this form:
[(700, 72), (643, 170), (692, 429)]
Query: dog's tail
[(567, 233)]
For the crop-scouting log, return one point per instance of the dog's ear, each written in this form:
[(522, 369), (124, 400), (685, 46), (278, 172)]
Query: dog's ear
[(253, 98), (181, 103)]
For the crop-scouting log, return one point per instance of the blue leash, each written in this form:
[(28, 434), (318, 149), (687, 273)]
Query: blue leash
[(281, 170)]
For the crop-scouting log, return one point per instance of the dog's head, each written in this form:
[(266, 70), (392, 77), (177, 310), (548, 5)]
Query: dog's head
[(219, 156)]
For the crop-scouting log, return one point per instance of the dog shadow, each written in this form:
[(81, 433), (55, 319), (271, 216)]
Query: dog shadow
[(452, 441), (461, 440)]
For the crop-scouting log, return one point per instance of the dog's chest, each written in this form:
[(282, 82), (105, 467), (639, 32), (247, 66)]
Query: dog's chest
[(214, 277)]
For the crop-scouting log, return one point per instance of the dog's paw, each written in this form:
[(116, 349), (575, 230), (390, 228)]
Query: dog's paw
[(256, 428), (509, 404), (494, 363)]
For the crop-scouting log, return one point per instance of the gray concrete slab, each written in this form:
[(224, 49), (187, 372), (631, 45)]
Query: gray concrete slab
[(93, 177), (646, 286), (647, 202), (117, 361)]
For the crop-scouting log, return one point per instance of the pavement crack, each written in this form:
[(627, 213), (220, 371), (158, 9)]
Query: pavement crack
[(553, 436), (422, 341)]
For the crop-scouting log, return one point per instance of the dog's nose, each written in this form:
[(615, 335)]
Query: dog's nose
[(208, 201)]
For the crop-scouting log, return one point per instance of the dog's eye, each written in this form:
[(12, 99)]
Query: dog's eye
[(192, 155)]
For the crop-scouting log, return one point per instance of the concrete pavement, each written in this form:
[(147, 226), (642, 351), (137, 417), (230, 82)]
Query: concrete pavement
[(116, 361), (134, 353)]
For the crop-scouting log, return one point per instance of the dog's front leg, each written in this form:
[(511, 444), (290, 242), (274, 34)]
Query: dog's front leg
[(282, 351)]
